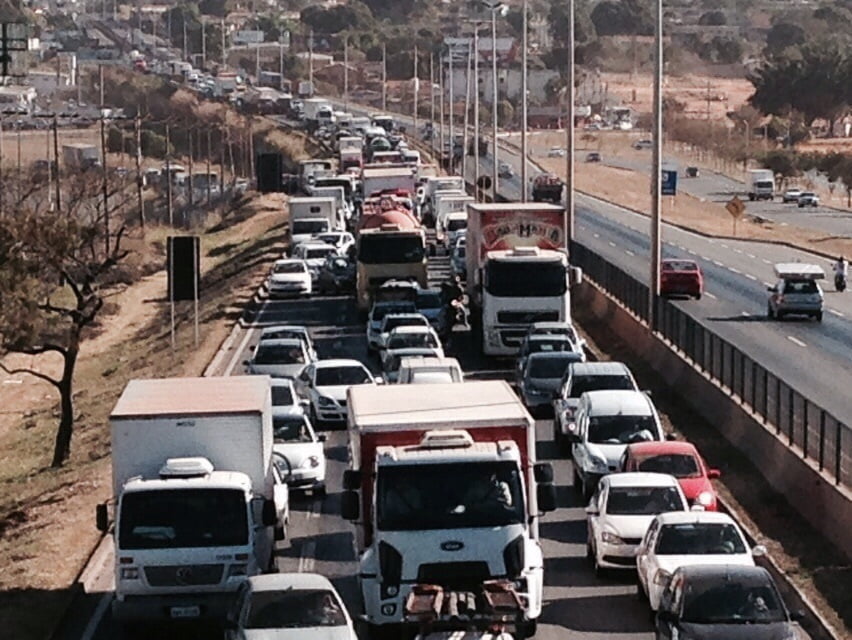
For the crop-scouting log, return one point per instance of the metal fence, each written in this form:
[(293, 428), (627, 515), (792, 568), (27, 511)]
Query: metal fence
[(820, 436)]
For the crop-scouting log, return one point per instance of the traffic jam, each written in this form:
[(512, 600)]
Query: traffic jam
[(444, 488)]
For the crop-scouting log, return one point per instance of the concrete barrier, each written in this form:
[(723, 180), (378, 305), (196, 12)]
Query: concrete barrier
[(826, 506)]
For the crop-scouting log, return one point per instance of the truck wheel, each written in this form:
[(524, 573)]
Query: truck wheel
[(526, 629), (769, 312), (818, 316)]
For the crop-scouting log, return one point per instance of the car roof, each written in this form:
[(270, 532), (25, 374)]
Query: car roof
[(613, 402), (551, 325), (315, 245), (286, 411), (419, 316), (283, 581), (669, 446), (641, 479), (599, 369), (338, 362), (412, 329), (701, 573), (288, 261), (284, 327), (696, 517), (554, 355), (547, 337), (281, 382)]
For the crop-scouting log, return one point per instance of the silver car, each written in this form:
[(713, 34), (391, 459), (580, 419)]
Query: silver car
[(278, 358), (541, 377), (792, 296)]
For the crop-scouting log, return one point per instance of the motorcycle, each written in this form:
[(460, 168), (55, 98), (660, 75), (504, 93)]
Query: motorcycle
[(840, 282)]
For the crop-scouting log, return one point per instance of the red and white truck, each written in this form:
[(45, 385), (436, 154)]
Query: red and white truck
[(517, 271), (378, 178), (445, 490)]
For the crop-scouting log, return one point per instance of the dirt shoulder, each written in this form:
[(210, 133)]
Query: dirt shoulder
[(47, 516)]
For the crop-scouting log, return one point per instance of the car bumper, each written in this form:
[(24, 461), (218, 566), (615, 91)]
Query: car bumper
[(617, 556), (331, 414), (160, 608), (306, 478), (288, 290)]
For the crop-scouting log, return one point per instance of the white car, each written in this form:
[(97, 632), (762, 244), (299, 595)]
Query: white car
[(678, 539), (285, 401), (621, 511), (606, 422), (279, 331), (411, 337), (314, 255), (556, 152), (324, 384), (340, 240), (295, 439), (377, 313), (392, 364), (278, 358), (420, 370), (300, 606), (394, 320), (289, 277)]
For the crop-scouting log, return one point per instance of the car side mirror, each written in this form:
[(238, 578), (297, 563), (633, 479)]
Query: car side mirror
[(670, 437), (352, 479), (797, 616), (648, 392), (350, 505), (546, 496), (592, 510), (102, 518), (322, 437), (379, 380), (714, 474), (245, 363), (304, 402), (269, 515), (543, 472), (758, 551)]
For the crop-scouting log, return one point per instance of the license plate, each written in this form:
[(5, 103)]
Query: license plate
[(185, 612)]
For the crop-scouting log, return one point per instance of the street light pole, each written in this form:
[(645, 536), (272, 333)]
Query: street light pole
[(432, 101), (466, 111), (494, 168), (569, 133), (346, 72), (416, 88), (476, 110), (524, 100), (384, 77), (451, 112), (656, 187)]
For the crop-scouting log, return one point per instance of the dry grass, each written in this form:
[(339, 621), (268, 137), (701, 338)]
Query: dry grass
[(47, 516)]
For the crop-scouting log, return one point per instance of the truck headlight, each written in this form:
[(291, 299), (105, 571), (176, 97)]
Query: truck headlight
[(513, 557), (129, 573), (236, 570), (493, 337)]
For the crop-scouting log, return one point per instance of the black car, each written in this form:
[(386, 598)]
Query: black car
[(337, 275), (724, 602)]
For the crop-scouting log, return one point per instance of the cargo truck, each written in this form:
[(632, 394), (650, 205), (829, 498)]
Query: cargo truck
[(375, 179), (760, 184), (448, 203), (318, 113), (310, 216), (444, 490), (435, 184), (517, 271), (344, 209), (546, 188), (198, 497), (351, 151)]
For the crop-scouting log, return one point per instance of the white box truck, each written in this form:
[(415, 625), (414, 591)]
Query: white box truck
[(450, 205), (377, 178), (760, 184), (344, 209), (309, 216), (444, 490), (199, 500)]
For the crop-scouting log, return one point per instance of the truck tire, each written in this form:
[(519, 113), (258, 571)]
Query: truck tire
[(526, 629)]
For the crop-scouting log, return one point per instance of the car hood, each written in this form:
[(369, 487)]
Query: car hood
[(772, 631), (670, 563), (336, 392), (610, 452), (627, 526), (297, 452), (288, 277), (302, 633), (277, 370), (694, 486)]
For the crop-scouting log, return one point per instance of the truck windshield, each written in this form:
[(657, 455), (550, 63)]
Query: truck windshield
[(449, 496), (183, 518), (510, 279), (380, 248), (310, 226)]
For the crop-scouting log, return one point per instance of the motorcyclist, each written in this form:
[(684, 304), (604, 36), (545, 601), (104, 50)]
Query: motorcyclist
[(452, 297), (841, 272)]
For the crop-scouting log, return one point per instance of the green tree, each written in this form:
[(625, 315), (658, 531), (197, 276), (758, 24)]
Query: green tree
[(713, 19), (783, 35), (584, 28), (625, 17), (353, 15)]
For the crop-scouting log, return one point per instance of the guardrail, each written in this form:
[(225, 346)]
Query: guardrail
[(820, 436)]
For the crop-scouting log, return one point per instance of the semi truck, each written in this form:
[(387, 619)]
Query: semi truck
[(546, 188), (318, 112), (309, 216), (517, 271), (80, 155), (444, 490), (760, 184), (199, 500)]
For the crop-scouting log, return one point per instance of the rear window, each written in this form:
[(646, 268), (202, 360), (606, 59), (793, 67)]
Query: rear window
[(393, 323), (680, 265), (679, 465), (551, 368), (800, 286)]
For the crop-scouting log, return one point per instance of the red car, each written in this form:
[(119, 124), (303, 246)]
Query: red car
[(681, 277), (677, 458)]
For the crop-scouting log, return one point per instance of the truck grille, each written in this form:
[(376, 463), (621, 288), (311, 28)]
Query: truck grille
[(454, 575), (184, 575), (526, 317), (512, 337)]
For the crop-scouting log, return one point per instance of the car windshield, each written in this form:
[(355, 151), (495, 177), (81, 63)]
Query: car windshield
[(283, 334), (730, 601), (556, 331), (428, 300), (382, 248), (679, 465), (582, 384), (294, 608), (520, 280), (183, 518), (338, 376), (449, 496), (411, 321), (455, 225), (551, 368), (642, 501), (281, 396), (621, 429), (412, 340), (278, 354), (290, 429), (302, 227), (288, 267), (431, 377), (800, 286), (330, 238), (699, 538), (319, 252)]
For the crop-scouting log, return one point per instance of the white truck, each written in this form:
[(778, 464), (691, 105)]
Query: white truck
[(383, 178), (760, 184), (450, 204), (436, 184), (80, 156), (517, 271), (318, 112), (344, 209), (350, 151), (309, 216), (444, 490), (199, 499)]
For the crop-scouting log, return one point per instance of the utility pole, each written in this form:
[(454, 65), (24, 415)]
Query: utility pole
[(139, 198), (451, 53), (524, 100), (466, 110), (569, 133), (50, 175), (224, 46), (185, 48), (441, 116), (432, 100), (191, 192), (105, 184), (494, 168), (656, 187), (169, 199), (57, 184), (207, 181), (280, 65), (476, 110), (416, 88), (311, 60), (203, 43), (384, 77), (346, 72)]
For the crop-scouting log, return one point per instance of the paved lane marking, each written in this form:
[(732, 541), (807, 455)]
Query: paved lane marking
[(751, 255), (597, 235), (725, 246), (839, 314), (95, 620), (612, 244), (745, 314), (751, 277), (706, 258), (733, 270), (765, 261), (718, 264), (768, 284), (306, 558), (629, 252), (691, 252), (710, 295), (738, 250), (795, 340)]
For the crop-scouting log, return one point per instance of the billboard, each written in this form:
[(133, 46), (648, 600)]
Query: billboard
[(504, 230)]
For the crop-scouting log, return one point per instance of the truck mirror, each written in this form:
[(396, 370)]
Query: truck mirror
[(575, 276), (351, 480), (546, 496), (269, 516), (543, 472), (350, 505), (102, 518)]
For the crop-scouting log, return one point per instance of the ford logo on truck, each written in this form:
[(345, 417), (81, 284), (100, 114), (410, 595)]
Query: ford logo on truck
[(452, 545)]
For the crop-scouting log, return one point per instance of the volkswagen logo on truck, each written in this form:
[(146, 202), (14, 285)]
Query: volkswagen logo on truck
[(452, 545)]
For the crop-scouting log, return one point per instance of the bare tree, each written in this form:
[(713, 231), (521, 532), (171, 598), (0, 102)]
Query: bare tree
[(56, 270)]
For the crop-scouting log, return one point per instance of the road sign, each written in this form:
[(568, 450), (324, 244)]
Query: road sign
[(668, 180), (736, 207)]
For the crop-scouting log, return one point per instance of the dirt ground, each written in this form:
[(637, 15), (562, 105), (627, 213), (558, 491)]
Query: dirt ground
[(47, 516)]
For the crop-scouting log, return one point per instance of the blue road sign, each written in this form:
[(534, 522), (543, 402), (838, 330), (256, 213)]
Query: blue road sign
[(669, 182)]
